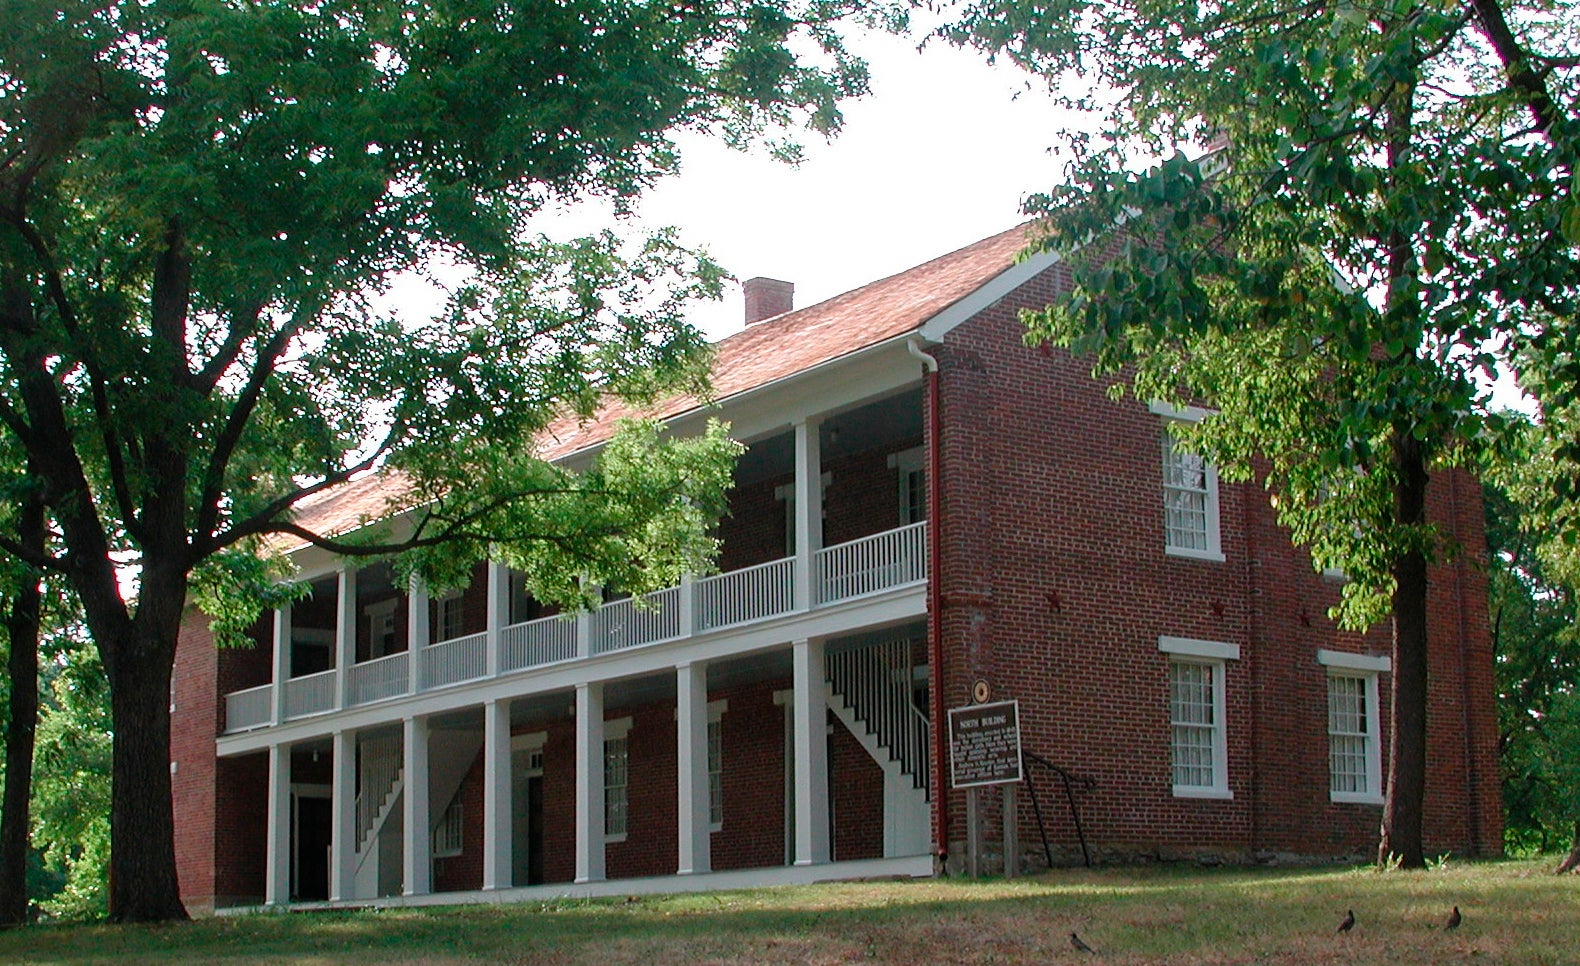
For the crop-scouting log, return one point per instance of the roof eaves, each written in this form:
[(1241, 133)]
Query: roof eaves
[(934, 329)]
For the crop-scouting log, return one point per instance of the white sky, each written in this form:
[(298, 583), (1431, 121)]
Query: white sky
[(937, 157)]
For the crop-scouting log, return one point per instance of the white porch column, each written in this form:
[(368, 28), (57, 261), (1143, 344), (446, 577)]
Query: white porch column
[(811, 754), (418, 872), (589, 783), (345, 634), (282, 661), (808, 507), (498, 611), (277, 874), (497, 845), (417, 636), (691, 768), (343, 806)]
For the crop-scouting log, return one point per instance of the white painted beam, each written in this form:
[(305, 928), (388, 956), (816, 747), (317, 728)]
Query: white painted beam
[(418, 871), (589, 783), (497, 784), (691, 768), (277, 844), (343, 807), (811, 754)]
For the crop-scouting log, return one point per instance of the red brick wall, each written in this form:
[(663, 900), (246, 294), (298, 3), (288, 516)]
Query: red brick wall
[(1056, 588), (855, 798), (219, 855)]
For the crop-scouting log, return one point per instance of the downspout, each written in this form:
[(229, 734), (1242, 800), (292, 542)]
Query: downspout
[(935, 614)]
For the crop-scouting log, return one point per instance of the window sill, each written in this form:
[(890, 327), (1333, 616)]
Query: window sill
[(1352, 798), (1211, 556), (1192, 791), (612, 839)]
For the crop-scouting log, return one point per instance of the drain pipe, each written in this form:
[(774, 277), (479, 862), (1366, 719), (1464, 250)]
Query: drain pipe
[(935, 613)]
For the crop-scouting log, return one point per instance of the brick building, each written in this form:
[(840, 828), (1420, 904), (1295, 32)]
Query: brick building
[(926, 506)]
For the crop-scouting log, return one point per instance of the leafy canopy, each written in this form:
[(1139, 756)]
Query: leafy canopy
[(1388, 217)]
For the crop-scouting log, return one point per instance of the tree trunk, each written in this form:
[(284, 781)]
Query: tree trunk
[(1572, 860), (22, 630), (143, 884), (1402, 810)]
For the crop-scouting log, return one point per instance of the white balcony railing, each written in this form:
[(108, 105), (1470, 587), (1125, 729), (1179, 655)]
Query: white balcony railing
[(620, 624), (456, 660), (252, 708), (881, 562), (380, 678), (743, 596), (310, 694), (537, 642)]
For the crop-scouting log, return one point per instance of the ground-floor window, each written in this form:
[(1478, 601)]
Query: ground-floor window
[(1354, 737), (1198, 746)]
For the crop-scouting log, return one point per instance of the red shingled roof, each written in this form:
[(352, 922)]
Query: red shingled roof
[(756, 356)]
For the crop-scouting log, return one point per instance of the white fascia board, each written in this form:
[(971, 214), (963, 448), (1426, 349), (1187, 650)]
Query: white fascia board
[(1354, 662), (995, 288), (1191, 647)]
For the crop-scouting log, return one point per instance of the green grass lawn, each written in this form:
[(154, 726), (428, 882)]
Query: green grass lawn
[(1514, 912)]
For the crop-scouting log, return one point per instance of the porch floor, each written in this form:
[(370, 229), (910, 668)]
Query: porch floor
[(915, 867)]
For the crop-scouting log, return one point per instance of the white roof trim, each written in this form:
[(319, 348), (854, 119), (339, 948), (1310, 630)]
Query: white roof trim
[(1190, 647), (1354, 662), (995, 288)]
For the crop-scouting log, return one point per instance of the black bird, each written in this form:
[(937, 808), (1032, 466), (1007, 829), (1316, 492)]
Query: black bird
[(1454, 919), (1348, 923), (1080, 946)]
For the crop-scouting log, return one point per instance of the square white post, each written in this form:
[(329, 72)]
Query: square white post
[(345, 634), (282, 661), (498, 611), (277, 874), (691, 768), (589, 783), (811, 754), (808, 508), (497, 845), (416, 630), (343, 842), (418, 873)]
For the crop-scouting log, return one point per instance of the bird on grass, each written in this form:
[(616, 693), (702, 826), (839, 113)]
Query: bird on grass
[(1348, 923), (1454, 919), (1079, 945)]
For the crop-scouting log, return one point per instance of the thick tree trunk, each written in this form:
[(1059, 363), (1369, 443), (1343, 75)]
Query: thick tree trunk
[(143, 884), (22, 630), (1402, 810), (1572, 860)]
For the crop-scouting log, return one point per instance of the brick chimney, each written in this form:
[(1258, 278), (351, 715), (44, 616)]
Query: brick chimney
[(767, 297)]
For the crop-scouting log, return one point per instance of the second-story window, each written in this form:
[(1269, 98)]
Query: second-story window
[(447, 617), (1190, 495), (912, 474)]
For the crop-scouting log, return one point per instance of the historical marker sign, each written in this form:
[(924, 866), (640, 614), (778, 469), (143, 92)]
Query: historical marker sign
[(984, 744)]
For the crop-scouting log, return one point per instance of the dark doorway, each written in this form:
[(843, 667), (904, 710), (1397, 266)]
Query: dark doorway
[(314, 822)]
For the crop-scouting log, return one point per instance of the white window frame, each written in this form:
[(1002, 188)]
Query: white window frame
[(616, 796), (448, 609), (909, 463), (381, 628), (1213, 655), (1213, 534), (716, 711), (1365, 668), (449, 835)]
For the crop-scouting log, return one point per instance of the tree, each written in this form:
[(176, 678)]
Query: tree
[(21, 623), (199, 206), (1534, 576), (1391, 215)]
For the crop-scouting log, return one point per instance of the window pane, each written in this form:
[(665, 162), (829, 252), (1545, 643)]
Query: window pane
[(1192, 713), (1185, 498), (1350, 737), (614, 786)]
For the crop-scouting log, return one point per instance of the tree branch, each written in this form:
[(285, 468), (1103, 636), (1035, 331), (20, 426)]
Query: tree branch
[(1522, 79)]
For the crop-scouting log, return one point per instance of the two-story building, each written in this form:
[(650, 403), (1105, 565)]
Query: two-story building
[(926, 508)]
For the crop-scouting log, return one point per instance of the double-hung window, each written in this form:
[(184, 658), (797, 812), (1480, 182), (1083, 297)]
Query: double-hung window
[(616, 779), (1354, 740), (1190, 493), (1198, 743), (447, 617)]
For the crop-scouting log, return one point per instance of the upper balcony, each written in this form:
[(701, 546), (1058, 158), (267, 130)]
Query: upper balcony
[(360, 640)]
